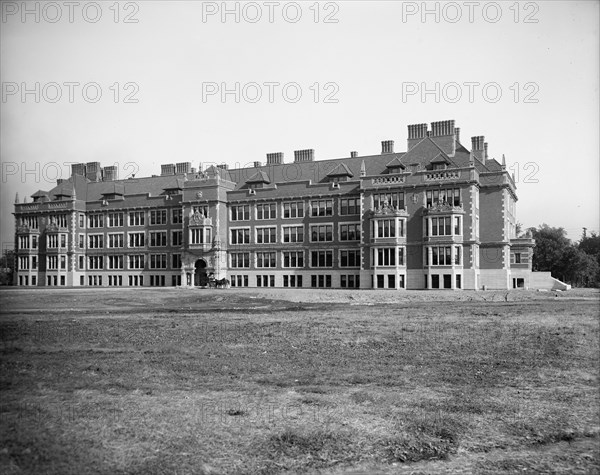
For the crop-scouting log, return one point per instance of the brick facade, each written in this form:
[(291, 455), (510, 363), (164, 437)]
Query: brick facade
[(436, 216)]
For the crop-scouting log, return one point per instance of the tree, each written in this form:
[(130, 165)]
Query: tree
[(7, 267), (566, 261)]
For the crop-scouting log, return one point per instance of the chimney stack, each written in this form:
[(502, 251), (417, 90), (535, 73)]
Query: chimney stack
[(183, 167), (353, 154), (275, 158), (78, 169), (444, 135), (478, 148), (257, 164), (387, 146), (93, 171), (110, 173), (307, 155), (457, 134), (223, 166), (167, 169), (416, 133)]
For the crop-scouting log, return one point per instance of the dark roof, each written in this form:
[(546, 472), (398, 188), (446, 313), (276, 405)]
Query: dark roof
[(340, 170), (259, 177)]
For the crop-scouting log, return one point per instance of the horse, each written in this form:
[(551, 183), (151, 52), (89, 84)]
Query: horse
[(222, 283)]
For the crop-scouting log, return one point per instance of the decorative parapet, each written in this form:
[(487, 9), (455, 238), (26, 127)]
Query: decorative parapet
[(444, 208), (388, 180), (387, 210), (440, 176), (26, 207), (199, 219), (22, 229)]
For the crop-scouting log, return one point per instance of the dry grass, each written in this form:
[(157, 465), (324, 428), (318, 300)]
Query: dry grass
[(174, 381)]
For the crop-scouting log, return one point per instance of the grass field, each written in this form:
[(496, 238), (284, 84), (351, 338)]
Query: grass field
[(250, 381)]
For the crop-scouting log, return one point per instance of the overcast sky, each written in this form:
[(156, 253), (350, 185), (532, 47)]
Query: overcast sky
[(138, 84)]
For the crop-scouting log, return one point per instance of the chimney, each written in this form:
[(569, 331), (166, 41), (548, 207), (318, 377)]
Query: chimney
[(110, 173), (353, 154), (457, 134), (257, 164), (93, 171), (485, 153), (223, 166), (443, 134), (477, 148), (387, 146), (78, 169), (183, 167), (275, 158), (307, 155), (168, 169), (416, 133)]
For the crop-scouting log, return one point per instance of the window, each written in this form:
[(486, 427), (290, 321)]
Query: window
[(349, 206), (401, 256), (385, 256), (441, 226), (321, 207), (24, 263), (95, 262), (292, 281), (320, 281), (201, 209), (449, 196), (137, 261), (239, 281), (115, 240), (23, 242), (457, 226), (200, 235), (266, 259), (266, 235), (240, 236), (395, 200), (176, 216), (34, 242), (266, 211), (158, 239), (240, 213), (81, 241), (265, 281), (350, 232), (158, 216), (34, 262), (386, 228), (350, 258), (294, 209), (321, 258), (81, 220), (115, 220), (457, 255), (321, 233), (293, 259), (95, 221), (137, 239), (52, 241), (176, 261), (240, 259), (158, 261), (29, 221), (293, 234), (136, 218), (517, 257), (176, 238), (350, 281), (52, 262), (95, 241), (61, 220), (115, 262), (81, 262), (442, 255)]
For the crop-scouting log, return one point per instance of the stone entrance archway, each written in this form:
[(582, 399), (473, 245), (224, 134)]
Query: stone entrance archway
[(200, 276)]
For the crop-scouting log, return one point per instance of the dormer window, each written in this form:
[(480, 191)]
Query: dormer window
[(439, 166)]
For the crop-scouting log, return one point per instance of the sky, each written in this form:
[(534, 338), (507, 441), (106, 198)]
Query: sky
[(140, 84)]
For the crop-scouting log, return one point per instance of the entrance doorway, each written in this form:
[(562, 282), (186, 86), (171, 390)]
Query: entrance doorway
[(200, 277)]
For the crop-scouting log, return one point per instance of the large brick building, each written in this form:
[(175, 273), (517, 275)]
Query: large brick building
[(436, 216)]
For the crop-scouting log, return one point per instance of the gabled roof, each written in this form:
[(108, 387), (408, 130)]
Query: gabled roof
[(214, 171), (176, 184), (440, 159), (39, 194), (340, 170), (115, 189), (395, 163), (259, 177)]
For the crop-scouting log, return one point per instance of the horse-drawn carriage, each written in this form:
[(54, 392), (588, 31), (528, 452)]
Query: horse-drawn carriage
[(212, 283)]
